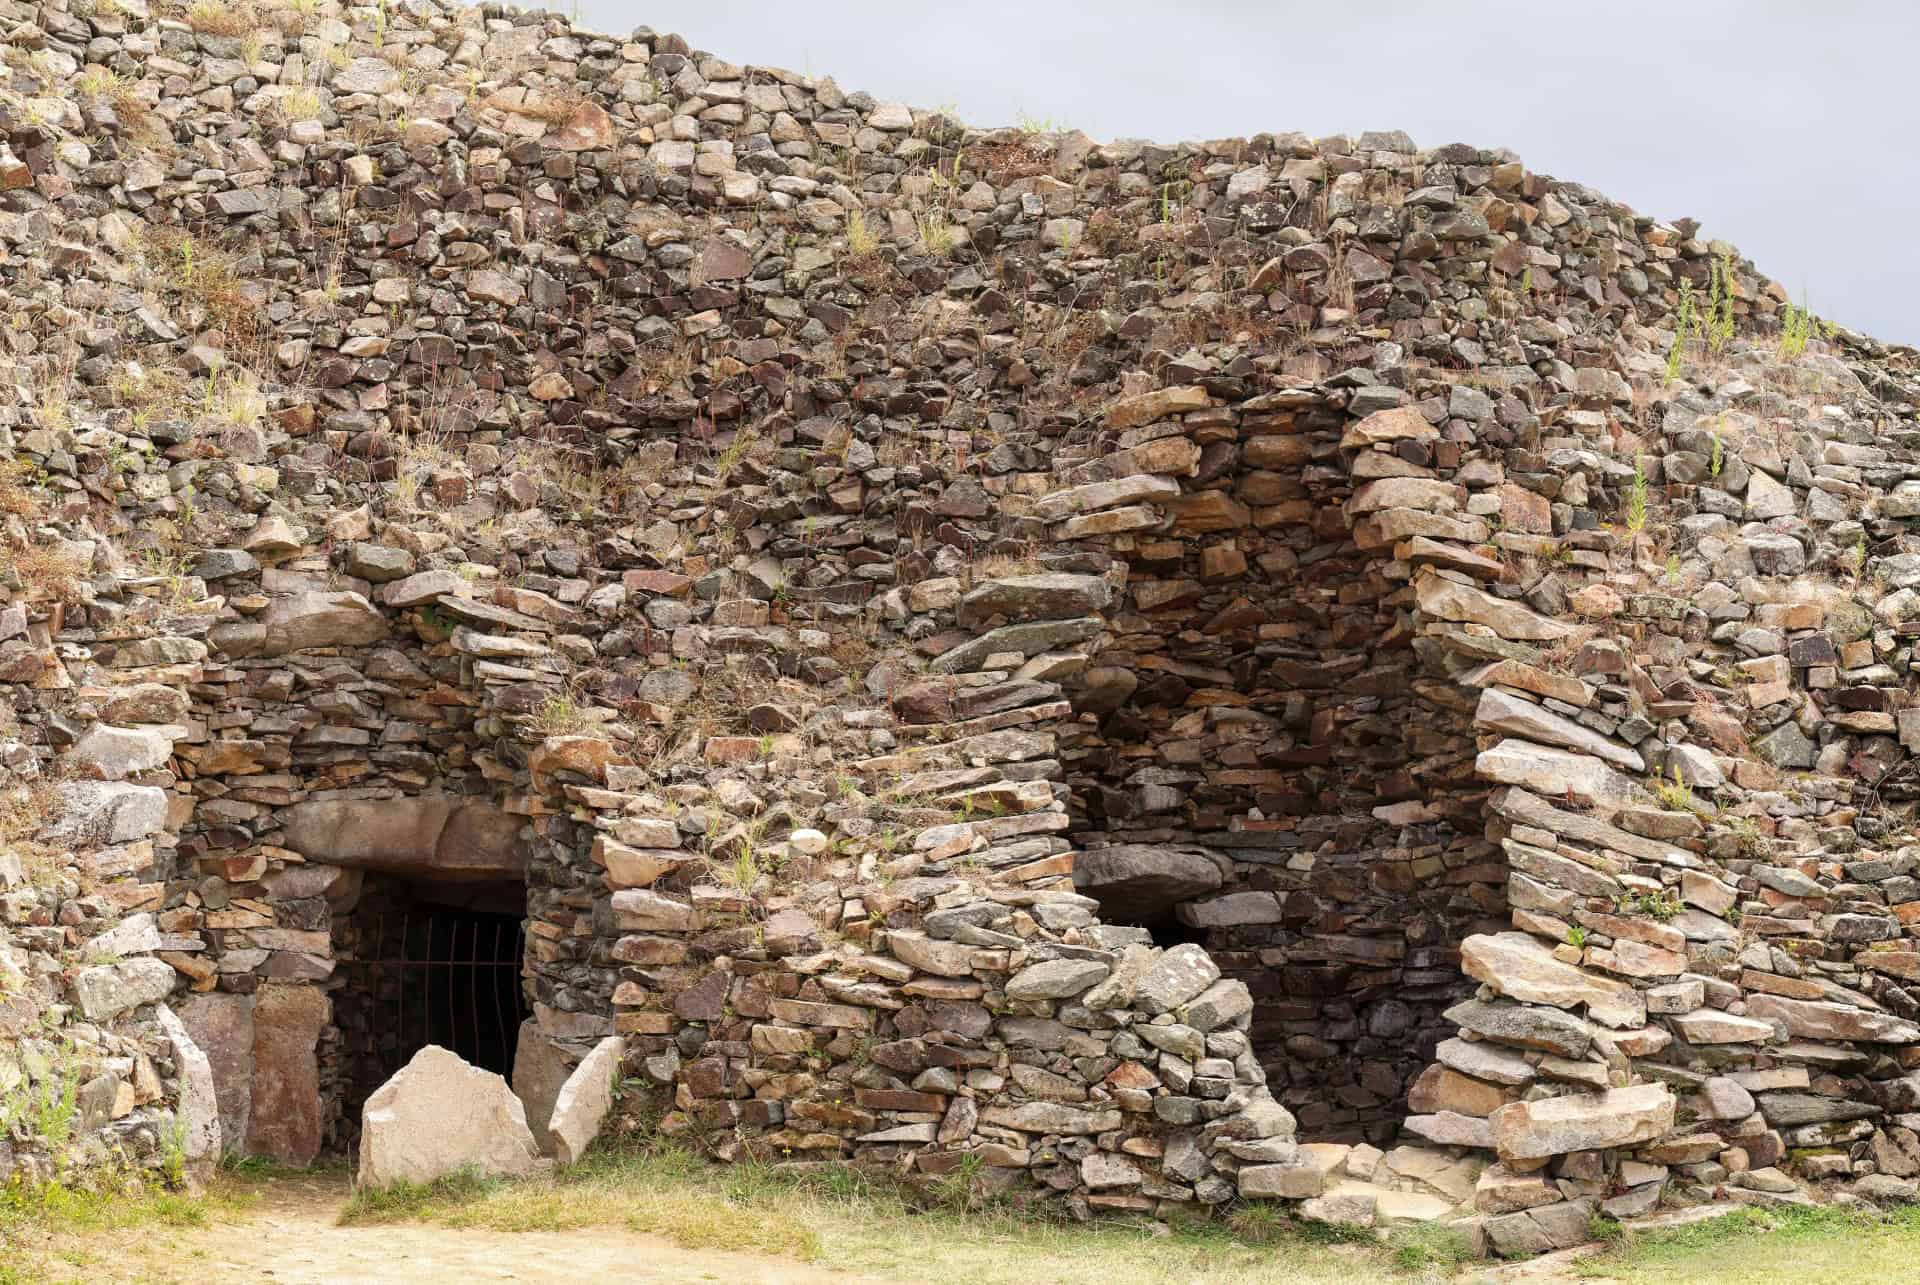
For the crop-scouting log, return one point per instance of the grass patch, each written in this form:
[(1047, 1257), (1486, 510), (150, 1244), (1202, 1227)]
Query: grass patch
[(302, 102), (20, 493), (1821, 1246), (138, 121), (207, 278), (862, 1222), (149, 392), (114, 1206), (40, 573), (1429, 1247), (50, 1232), (251, 1169), (405, 1201)]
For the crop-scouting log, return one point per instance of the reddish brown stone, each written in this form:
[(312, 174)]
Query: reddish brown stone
[(286, 1122)]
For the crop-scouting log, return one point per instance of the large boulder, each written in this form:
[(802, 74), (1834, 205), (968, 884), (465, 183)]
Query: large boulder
[(1179, 974), (108, 753), (94, 813), (1822, 1020), (1553, 771), (1050, 596), (1521, 967), (1446, 599), (1501, 712), (1056, 979), (1029, 639), (437, 1116), (1524, 1026), (366, 76), (1133, 881)]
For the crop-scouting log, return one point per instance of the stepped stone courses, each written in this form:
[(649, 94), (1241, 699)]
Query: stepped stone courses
[(1122, 662)]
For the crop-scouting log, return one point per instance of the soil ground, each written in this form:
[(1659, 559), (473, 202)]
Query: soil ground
[(292, 1236), (655, 1219)]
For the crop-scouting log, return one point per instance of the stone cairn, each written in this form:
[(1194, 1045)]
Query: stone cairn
[(1302, 669)]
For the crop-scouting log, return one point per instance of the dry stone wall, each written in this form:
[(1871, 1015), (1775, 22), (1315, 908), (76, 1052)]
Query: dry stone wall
[(1261, 722), (1107, 660)]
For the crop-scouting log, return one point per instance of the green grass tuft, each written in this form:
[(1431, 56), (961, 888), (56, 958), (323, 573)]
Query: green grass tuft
[(1429, 1247)]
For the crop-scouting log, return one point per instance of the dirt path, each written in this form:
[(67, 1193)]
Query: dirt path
[(286, 1231), (292, 1237)]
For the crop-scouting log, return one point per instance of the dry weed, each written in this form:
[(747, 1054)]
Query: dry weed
[(212, 18)]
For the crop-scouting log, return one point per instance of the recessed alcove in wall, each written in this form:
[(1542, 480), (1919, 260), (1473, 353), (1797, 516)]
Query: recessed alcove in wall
[(1255, 765), (424, 962), (427, 945)]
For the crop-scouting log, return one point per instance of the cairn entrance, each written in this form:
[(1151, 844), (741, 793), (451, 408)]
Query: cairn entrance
[(1264, 760), (428, 936), (426, 962)]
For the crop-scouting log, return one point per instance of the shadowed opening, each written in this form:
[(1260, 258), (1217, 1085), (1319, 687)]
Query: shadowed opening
[(430, 963)]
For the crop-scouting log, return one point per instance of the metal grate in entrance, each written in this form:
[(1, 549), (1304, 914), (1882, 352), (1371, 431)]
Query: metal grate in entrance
[(441, 976)]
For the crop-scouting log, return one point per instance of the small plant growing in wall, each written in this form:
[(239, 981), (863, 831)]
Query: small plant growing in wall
[(1798, 328), (560, 716), (861, 241), (1719, 319), (173, 1152), (1675, 794), (1854, 560), (1684, 320), (1577, 937), (960, 1189), (1746, 833), (745, 871), (48, 1113), (1636, 510), (729, 459), (1653, 905)]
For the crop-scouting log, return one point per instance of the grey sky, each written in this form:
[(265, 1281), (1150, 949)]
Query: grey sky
[(1788, 129)]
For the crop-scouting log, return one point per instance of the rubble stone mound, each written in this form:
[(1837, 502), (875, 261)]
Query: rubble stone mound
[(1324, 670)]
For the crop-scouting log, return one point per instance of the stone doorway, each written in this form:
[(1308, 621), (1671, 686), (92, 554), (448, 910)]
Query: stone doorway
[(426, 962), (428, 911)]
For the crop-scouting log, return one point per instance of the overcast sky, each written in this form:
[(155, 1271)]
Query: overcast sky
[(1789, 129)]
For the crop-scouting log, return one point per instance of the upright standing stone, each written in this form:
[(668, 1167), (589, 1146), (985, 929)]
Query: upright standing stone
[(221, 1025), (584, 1101), (540, 1070), (285, 1117), (198, 1110), (438, 1116)]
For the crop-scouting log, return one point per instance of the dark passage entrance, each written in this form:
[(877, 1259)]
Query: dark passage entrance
[(1169, 930), (430, 963)]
